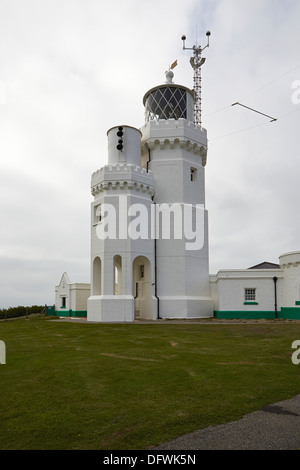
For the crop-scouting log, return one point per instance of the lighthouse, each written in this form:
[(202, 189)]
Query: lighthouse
[(149, 223)]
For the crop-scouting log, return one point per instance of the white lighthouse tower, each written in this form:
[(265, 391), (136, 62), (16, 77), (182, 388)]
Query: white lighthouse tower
[(149, 227), (122, 261)]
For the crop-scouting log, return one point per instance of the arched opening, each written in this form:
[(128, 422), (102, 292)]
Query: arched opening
[(142, 288), (117, 275), (96, 290)]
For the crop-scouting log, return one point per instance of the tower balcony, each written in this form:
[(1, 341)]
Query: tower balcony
[(171, 133), (122, 176)]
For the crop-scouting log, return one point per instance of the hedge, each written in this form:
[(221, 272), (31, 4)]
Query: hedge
[(20, 311)]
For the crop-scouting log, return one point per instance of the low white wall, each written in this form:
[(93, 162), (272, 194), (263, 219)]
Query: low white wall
[(110, 308)]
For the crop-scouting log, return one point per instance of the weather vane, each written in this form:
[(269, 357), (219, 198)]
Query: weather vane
[(196, 62)]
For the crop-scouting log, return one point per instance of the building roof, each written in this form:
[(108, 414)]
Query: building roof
[(265, 265)]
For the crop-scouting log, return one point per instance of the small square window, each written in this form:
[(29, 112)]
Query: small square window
[(250, 295)]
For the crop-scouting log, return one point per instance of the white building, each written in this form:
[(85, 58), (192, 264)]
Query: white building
[(263, 291), (149, 231), (71, 299)]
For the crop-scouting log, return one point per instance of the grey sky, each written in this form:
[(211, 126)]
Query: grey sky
[(72, 69)]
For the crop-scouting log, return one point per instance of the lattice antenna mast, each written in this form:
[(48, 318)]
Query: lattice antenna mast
[(196, 62)]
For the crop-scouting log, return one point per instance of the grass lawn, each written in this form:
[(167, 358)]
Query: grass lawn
[(109, 386)]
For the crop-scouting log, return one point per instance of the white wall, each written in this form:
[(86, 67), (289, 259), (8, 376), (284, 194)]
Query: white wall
[(79, 295), (290, 263), (227, 289)]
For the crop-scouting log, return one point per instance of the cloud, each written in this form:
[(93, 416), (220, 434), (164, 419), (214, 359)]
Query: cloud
[(252, 163)]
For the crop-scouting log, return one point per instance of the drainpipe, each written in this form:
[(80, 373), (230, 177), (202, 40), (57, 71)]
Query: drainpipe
[(275, 292), (149, 160), (155, 263), (155, 256), (136, 290), (155, 266)]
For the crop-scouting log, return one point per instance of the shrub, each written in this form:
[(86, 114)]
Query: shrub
[(20, 311)]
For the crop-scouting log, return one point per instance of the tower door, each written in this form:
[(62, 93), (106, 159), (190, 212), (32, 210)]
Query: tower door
[(142, 288)]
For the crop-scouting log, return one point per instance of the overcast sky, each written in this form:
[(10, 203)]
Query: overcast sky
[(71, 69)]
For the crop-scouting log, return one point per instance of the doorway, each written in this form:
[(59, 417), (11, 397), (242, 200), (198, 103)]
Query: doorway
[(142, 288)]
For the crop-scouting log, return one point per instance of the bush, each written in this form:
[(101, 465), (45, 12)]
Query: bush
[(20, 311)]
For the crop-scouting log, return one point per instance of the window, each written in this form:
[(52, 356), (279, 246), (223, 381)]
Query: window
[(193, 174), (166, 103), (63, 302), (97, 214), (142, 271), (250, 295), (117, 275)]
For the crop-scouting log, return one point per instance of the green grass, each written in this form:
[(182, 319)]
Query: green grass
[(90, 386)]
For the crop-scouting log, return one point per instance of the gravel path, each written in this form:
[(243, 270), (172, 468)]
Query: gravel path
[(275, 427)]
